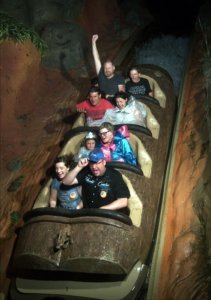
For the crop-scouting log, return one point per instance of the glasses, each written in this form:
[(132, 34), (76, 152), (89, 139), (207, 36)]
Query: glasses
[(103, 133)]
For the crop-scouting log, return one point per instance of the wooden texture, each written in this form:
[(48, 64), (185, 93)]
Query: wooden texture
[(95, 245)]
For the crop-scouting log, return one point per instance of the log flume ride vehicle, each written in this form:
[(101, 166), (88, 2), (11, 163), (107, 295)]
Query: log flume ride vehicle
[(96, 253)]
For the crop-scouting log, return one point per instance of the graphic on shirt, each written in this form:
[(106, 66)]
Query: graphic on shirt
[(136, 90), (104, 188), (73, 195), (89, 179)]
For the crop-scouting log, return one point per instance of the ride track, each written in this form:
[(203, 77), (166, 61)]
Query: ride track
[(107, 255)]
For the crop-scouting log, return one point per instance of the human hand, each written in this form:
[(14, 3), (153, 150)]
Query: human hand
[(81, 110), (83, 162), (94, 38)]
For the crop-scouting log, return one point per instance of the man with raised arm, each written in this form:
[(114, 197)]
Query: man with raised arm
[(102, 186), (109, 82)]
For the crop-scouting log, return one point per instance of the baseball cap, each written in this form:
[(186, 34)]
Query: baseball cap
[(96, 155)]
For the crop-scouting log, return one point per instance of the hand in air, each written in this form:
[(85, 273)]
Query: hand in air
[(83, 162), (94, 38)]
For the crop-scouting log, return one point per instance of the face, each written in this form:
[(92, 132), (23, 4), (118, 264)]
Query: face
[(109, 69), (99, 168), (121, 103), (106, 136), (61, 170), (94, 98), (90, 144), (135, 75)]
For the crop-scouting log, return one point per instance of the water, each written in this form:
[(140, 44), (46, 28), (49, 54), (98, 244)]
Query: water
[(168, 52)]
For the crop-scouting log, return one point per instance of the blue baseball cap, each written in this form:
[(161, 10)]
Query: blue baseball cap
[(96, 155)]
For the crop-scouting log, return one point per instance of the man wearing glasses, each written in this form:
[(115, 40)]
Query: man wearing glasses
[(102, 187)]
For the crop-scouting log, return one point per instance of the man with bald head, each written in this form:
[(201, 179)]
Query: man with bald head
[(109, 82)]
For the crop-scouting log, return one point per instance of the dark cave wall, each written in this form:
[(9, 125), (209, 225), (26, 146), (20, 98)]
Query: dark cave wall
[(67, 27)]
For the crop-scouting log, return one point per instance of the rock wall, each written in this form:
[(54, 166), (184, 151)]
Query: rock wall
[(181, 264)]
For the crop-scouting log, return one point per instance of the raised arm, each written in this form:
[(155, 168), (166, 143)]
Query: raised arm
[(70, 178), (96, 54)]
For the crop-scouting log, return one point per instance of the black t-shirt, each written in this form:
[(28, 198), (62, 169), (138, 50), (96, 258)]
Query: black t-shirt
[(102, 190), (110, 85), (138, 89)]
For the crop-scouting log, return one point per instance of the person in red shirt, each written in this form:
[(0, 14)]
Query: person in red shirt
[(94, 107)]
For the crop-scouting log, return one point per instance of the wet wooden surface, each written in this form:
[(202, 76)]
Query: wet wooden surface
[(151, 188)]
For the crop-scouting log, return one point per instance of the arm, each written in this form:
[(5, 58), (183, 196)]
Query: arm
[(70, 178), (117, 204), (80, 205), (150, 91), (96, 54), (121, 83), (128, 154), (121, 88), (81, 107), (53, 198)]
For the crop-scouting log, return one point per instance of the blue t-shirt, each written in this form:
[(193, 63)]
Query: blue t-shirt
[(67, 196)]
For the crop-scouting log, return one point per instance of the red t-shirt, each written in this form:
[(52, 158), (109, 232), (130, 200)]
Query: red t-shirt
[(95, 112)]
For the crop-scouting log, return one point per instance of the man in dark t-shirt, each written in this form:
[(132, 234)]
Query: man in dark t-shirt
[(138, 89), (109, 82), (110, 85), (102, 187), (137, 86)]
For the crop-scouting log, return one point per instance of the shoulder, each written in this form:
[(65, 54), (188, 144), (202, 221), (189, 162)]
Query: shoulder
[(83, 103), (82, 150), (82, 174), (113, 172), (55, 184), (129, 82), (119, 77), (101, 73), (144, 80), (106, 103)]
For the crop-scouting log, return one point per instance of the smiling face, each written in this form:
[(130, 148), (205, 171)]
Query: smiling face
[(121, 103), (61, 170), (109, 69), (90, 144), (99, 168), (94, 98)]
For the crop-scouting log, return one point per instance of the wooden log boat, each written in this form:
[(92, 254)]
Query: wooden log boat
[(93, 253), (152, 126)]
